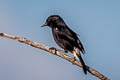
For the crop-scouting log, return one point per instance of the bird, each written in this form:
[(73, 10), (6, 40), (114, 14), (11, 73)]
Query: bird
[(66, 38)]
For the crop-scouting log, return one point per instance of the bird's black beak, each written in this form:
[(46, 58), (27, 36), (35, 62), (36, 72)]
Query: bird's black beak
[(44, 25)]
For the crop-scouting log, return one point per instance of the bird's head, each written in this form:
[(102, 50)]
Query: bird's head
[(53, 20)]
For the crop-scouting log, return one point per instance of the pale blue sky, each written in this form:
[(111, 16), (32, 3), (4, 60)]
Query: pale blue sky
[(96, 21)]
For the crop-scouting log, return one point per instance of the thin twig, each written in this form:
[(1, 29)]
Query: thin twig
[(55, 52)]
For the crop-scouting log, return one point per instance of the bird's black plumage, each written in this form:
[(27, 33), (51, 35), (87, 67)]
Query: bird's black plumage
[(65, 37)]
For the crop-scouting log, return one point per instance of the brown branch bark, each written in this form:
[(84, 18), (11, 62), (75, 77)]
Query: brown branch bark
[(55, 52)]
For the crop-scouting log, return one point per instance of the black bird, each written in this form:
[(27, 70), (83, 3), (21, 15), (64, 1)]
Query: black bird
[(66, 38)]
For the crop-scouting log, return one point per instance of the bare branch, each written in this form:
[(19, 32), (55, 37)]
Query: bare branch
[(55, 52)]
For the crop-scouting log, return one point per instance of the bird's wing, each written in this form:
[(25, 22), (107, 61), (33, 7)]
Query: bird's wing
[(73, 35), (70, 39), (63, 39)]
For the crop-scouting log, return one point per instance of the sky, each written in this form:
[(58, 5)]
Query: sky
[(96, 21)]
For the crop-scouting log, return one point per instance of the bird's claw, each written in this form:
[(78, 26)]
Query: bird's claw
[(74, 59), (65, 51), (53, 50)]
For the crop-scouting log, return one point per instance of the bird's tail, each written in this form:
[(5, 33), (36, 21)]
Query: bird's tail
[(83, 64), (78, 57)]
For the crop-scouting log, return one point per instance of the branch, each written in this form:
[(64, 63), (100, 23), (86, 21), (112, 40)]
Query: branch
[(55, 52)]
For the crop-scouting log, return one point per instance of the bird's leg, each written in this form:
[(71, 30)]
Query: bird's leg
[(65, 51), (74, 59), (53, 50)]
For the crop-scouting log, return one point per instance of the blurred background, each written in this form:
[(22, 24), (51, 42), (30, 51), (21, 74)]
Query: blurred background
[(96, 21)]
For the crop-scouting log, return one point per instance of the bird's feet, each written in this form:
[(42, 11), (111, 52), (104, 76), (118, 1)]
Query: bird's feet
[(74, 59), (53, 50), (65, 51)]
